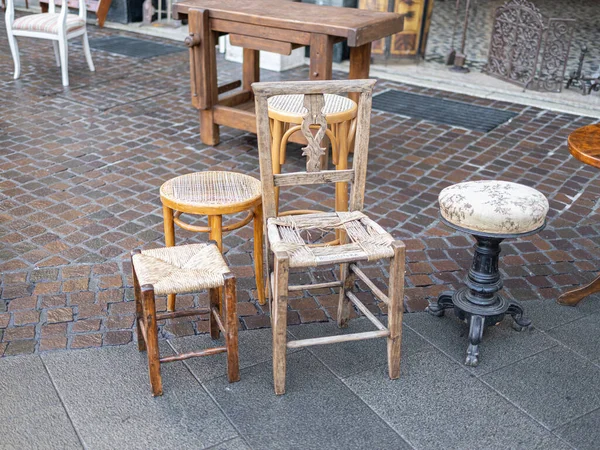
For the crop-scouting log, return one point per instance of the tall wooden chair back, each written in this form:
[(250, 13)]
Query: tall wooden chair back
[(314, 127)]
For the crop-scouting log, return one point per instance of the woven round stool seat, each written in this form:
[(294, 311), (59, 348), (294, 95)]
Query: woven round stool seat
[(493, 207), (211, 189), (290, 108), (181, 270)]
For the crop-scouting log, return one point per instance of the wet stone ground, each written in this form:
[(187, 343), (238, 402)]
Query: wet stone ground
[(80, 170)]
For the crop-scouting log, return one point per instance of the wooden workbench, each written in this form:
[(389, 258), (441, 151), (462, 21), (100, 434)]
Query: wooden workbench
[(276, 26)]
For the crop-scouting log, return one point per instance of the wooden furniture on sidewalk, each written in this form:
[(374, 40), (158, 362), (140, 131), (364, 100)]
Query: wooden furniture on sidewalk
[(286, 114), (275, 26), (99, 7), (181, 270), (291, 239), (215, 194), (584, 144), (53, 26)]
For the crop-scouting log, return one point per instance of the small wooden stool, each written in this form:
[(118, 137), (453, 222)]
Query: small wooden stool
[(182, 270), (215, 194), (286, 113)]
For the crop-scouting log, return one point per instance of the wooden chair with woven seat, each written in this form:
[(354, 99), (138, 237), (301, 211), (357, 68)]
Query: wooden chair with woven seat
[(288, 237), (214, 194), (181, 270), (285, 114)]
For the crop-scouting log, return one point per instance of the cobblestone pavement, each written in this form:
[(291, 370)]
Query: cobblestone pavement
[(80, 170), (481, 19)]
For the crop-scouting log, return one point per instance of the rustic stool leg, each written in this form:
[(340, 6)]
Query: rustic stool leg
[(396, 309), (279, 321), (139, 309), (169, 242), (258, 254), (231, 339), (152, 339), (213, 295), (341, 189)]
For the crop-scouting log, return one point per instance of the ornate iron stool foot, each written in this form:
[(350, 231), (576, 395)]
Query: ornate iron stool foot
[(491, 211)]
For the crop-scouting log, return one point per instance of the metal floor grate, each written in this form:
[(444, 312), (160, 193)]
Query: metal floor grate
[(136, 48), (435, 109)]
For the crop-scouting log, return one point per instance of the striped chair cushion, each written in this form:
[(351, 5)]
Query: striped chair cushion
[(47, 23)]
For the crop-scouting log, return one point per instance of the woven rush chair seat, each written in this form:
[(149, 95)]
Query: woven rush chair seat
[(368, 241), (183, 270), (210, 189)]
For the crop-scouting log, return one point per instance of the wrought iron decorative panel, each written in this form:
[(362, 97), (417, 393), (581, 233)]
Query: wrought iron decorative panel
[(555, 55)]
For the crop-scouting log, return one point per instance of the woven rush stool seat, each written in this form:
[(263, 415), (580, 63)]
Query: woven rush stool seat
[(214, 194), (182, 270), (491, 211), (286, 113), (368, 241)]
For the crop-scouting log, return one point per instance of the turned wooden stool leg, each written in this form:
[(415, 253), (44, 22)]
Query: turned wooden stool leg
[(152, 339), (396, 309), (215, 223), (347, 278), (231, 320), (169, 242), (341, 189), (258, 254), (279, 321), (213, 295), (276, 149)]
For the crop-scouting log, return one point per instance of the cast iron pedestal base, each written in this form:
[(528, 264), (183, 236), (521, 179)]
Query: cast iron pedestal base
[(478, 303)]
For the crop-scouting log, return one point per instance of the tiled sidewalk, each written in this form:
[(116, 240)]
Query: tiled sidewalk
[(80, 170), (532, 390)]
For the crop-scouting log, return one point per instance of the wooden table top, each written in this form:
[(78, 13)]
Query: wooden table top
[(358, 26), (584, 144)]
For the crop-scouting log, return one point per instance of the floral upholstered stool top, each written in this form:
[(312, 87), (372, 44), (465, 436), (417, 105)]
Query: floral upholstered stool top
[(491, 211)]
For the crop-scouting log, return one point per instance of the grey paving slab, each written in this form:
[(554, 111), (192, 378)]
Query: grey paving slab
[(554, 386), (254, 347), (435, 404), (501, 344), (317, 411), (232, 444), (583, 433), (107, 395), (547, 314), (590, 304), (582, 336), (49, 428), (32, 414), (25, 387), (348, 358)]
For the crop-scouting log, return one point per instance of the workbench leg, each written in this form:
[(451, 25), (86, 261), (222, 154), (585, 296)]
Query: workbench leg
[(321, 56), (209, 130), (250, 68), (360, 65)]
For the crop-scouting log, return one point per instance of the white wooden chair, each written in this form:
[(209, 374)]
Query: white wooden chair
[(57, 27), (292, 240)]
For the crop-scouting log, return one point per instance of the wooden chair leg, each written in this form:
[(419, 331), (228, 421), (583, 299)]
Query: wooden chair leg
[(169, 242), (231, 340), (139, 308), (258, 254), (215, 223), (279, 321), (396, 308), (14, 50), (152, 339), (213, 295), (343, 313)]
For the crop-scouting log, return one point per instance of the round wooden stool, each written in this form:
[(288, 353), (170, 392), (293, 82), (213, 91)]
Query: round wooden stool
[(214, 194), (287, 113)]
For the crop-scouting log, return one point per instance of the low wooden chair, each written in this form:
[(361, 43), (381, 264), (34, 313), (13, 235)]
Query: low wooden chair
[(288, 239)]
